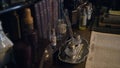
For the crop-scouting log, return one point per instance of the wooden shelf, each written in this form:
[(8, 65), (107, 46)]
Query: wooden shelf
[(17, 6)]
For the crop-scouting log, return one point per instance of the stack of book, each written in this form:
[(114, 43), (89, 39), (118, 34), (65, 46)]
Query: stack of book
[(46, 17), (112, 20)]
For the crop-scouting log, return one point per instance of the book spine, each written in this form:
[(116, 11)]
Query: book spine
[(51, 11), (48, 19), (38, 20), (45, 18), (42, 18), (55, 11)]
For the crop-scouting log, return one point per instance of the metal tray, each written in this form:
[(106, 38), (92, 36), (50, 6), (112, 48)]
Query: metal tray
[(63, 57)]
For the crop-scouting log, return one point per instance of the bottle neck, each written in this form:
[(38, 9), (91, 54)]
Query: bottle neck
[(28, 19), (53, 32)]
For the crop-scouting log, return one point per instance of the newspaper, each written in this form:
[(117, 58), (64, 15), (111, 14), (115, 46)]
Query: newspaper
[(104, 51)]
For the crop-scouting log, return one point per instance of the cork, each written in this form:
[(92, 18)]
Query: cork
[(28, 19)]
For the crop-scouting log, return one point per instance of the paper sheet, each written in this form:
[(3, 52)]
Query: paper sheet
[(104, 51)]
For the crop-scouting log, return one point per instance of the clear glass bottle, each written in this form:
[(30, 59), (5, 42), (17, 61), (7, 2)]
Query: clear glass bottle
[(5, 45), (53, 39), (83, 19), (61, 29)]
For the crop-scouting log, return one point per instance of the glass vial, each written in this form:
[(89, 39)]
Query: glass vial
[(83, 19), (53, 39)]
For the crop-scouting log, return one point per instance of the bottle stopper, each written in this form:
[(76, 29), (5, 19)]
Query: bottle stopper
[(28, 19)]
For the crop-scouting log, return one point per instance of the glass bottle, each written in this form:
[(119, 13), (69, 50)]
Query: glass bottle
[(83, 18), (62, 29), (53, 39), (5, 45), (26, 47), (31, 35), (89, 15)]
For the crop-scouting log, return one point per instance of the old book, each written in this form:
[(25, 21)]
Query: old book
[(38, 20), (49, 18), (104, 51), (45, 18), (55, 12), (42, 18), (111, 20)]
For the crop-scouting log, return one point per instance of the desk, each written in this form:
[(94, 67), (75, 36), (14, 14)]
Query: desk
[(58, 64)]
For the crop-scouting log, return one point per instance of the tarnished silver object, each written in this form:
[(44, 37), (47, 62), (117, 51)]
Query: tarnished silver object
[(74, 55)]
